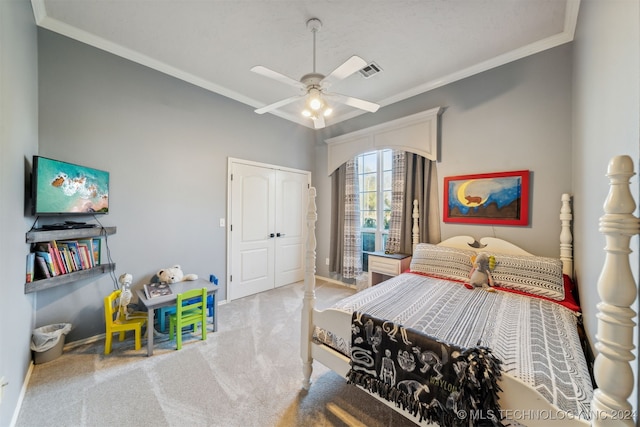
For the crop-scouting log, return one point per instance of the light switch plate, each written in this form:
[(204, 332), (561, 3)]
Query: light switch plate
[(221, 222)]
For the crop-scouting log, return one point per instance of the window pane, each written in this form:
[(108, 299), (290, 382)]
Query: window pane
[(387, 160), (387, 219), (387, 200), (370, 183), (368, 242), (387, 181), (369, 219), (370, 162), (363, 203), (368, 245), (370, 201)]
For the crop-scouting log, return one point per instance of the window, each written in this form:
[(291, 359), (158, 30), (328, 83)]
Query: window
[(375, 182)]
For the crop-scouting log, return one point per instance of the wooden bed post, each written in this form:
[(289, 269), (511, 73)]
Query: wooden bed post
[(566, 237), (308, 301), (617, 290)]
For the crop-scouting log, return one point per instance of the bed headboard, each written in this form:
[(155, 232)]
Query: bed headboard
[(499, 246)]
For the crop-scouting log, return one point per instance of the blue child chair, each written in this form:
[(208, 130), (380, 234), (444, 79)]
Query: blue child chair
[(162, 312)]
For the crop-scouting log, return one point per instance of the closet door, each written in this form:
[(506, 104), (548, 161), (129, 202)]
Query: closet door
[(267, 233), (291, 203), (252, 230)]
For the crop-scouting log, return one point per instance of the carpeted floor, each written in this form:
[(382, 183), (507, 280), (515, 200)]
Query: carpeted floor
[(248, 373)]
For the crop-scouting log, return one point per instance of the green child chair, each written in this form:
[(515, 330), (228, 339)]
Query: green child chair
[(162, 312), (191, 309)]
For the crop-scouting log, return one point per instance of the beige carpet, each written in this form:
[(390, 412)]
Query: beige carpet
[(249, 373)]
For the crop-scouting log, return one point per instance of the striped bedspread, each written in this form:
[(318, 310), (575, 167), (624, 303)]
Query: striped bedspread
[(536, 340)]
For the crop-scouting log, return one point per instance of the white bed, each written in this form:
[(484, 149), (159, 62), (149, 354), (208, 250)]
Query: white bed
[(526, 398)]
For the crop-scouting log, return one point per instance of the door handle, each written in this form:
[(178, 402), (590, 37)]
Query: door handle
[(271, 236), (280, 235)]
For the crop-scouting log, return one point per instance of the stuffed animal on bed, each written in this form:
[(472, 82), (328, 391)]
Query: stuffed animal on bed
[(174, 275), (480, 275)]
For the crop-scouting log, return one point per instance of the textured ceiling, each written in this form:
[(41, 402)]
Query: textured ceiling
[(419, 44)]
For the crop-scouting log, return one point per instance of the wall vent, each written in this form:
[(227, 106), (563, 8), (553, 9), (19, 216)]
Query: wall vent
[(370, 70)]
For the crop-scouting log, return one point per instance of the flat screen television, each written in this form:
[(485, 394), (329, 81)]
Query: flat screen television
[(61, 188)]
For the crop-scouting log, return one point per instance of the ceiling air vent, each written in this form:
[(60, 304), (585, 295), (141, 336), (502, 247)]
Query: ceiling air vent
[(370, 70)]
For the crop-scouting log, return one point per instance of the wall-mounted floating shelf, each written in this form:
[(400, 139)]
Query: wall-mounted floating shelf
[(35, 236)]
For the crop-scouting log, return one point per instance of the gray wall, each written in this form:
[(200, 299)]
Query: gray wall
[(514, 117), (18, 142), (147, 128), (165, 143), (606, 123)]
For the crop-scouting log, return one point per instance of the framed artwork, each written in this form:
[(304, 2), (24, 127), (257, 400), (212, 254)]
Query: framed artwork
[(500, 198)]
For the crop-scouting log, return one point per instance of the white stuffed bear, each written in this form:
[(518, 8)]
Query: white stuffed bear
[(174, 275)]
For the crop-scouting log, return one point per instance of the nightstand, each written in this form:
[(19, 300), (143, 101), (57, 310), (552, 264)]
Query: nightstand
[(383, 266)]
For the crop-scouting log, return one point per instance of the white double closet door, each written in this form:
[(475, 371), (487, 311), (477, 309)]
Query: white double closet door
[(267, 231)]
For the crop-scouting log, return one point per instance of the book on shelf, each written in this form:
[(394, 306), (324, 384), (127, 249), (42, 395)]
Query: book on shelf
[(31, 267), (42, 270), (48, 260), (86, 249), (57, 258), (74, 255), (85, 255), (65, 256), (155, 290)]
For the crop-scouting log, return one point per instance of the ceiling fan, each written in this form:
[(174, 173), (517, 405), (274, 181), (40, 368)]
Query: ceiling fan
[(314, 86)]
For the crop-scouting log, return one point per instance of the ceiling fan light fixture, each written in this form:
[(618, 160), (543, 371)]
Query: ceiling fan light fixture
[(315, 100), (313, 86)]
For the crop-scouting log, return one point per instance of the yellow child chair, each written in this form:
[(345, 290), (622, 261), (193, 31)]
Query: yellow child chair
[(115, 322), (191, 309)]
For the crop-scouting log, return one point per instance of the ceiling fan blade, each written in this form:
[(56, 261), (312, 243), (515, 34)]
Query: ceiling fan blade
[(318, 123), (264, 71), (355, 102), (347, 68), (278, 104)]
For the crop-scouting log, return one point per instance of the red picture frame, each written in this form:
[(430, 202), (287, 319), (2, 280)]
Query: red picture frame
[(499, 198)]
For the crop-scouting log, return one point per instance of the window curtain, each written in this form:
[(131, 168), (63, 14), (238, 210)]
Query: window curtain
[(352, 267), (345, 257), (398, 172), (421, 183), (336, 249)]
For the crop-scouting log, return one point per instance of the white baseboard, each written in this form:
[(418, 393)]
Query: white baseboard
[(23, 392)]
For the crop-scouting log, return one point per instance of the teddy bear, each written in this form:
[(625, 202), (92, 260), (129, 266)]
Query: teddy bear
[(174, 275), (480, 275)]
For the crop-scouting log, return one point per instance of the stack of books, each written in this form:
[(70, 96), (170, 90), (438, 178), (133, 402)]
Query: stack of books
[(54, 258)]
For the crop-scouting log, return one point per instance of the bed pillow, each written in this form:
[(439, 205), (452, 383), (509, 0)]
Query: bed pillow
[(531, 274), (442, 261)]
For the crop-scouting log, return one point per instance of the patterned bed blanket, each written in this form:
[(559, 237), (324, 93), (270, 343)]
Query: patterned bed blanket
[(437, 381), (536, 340)]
